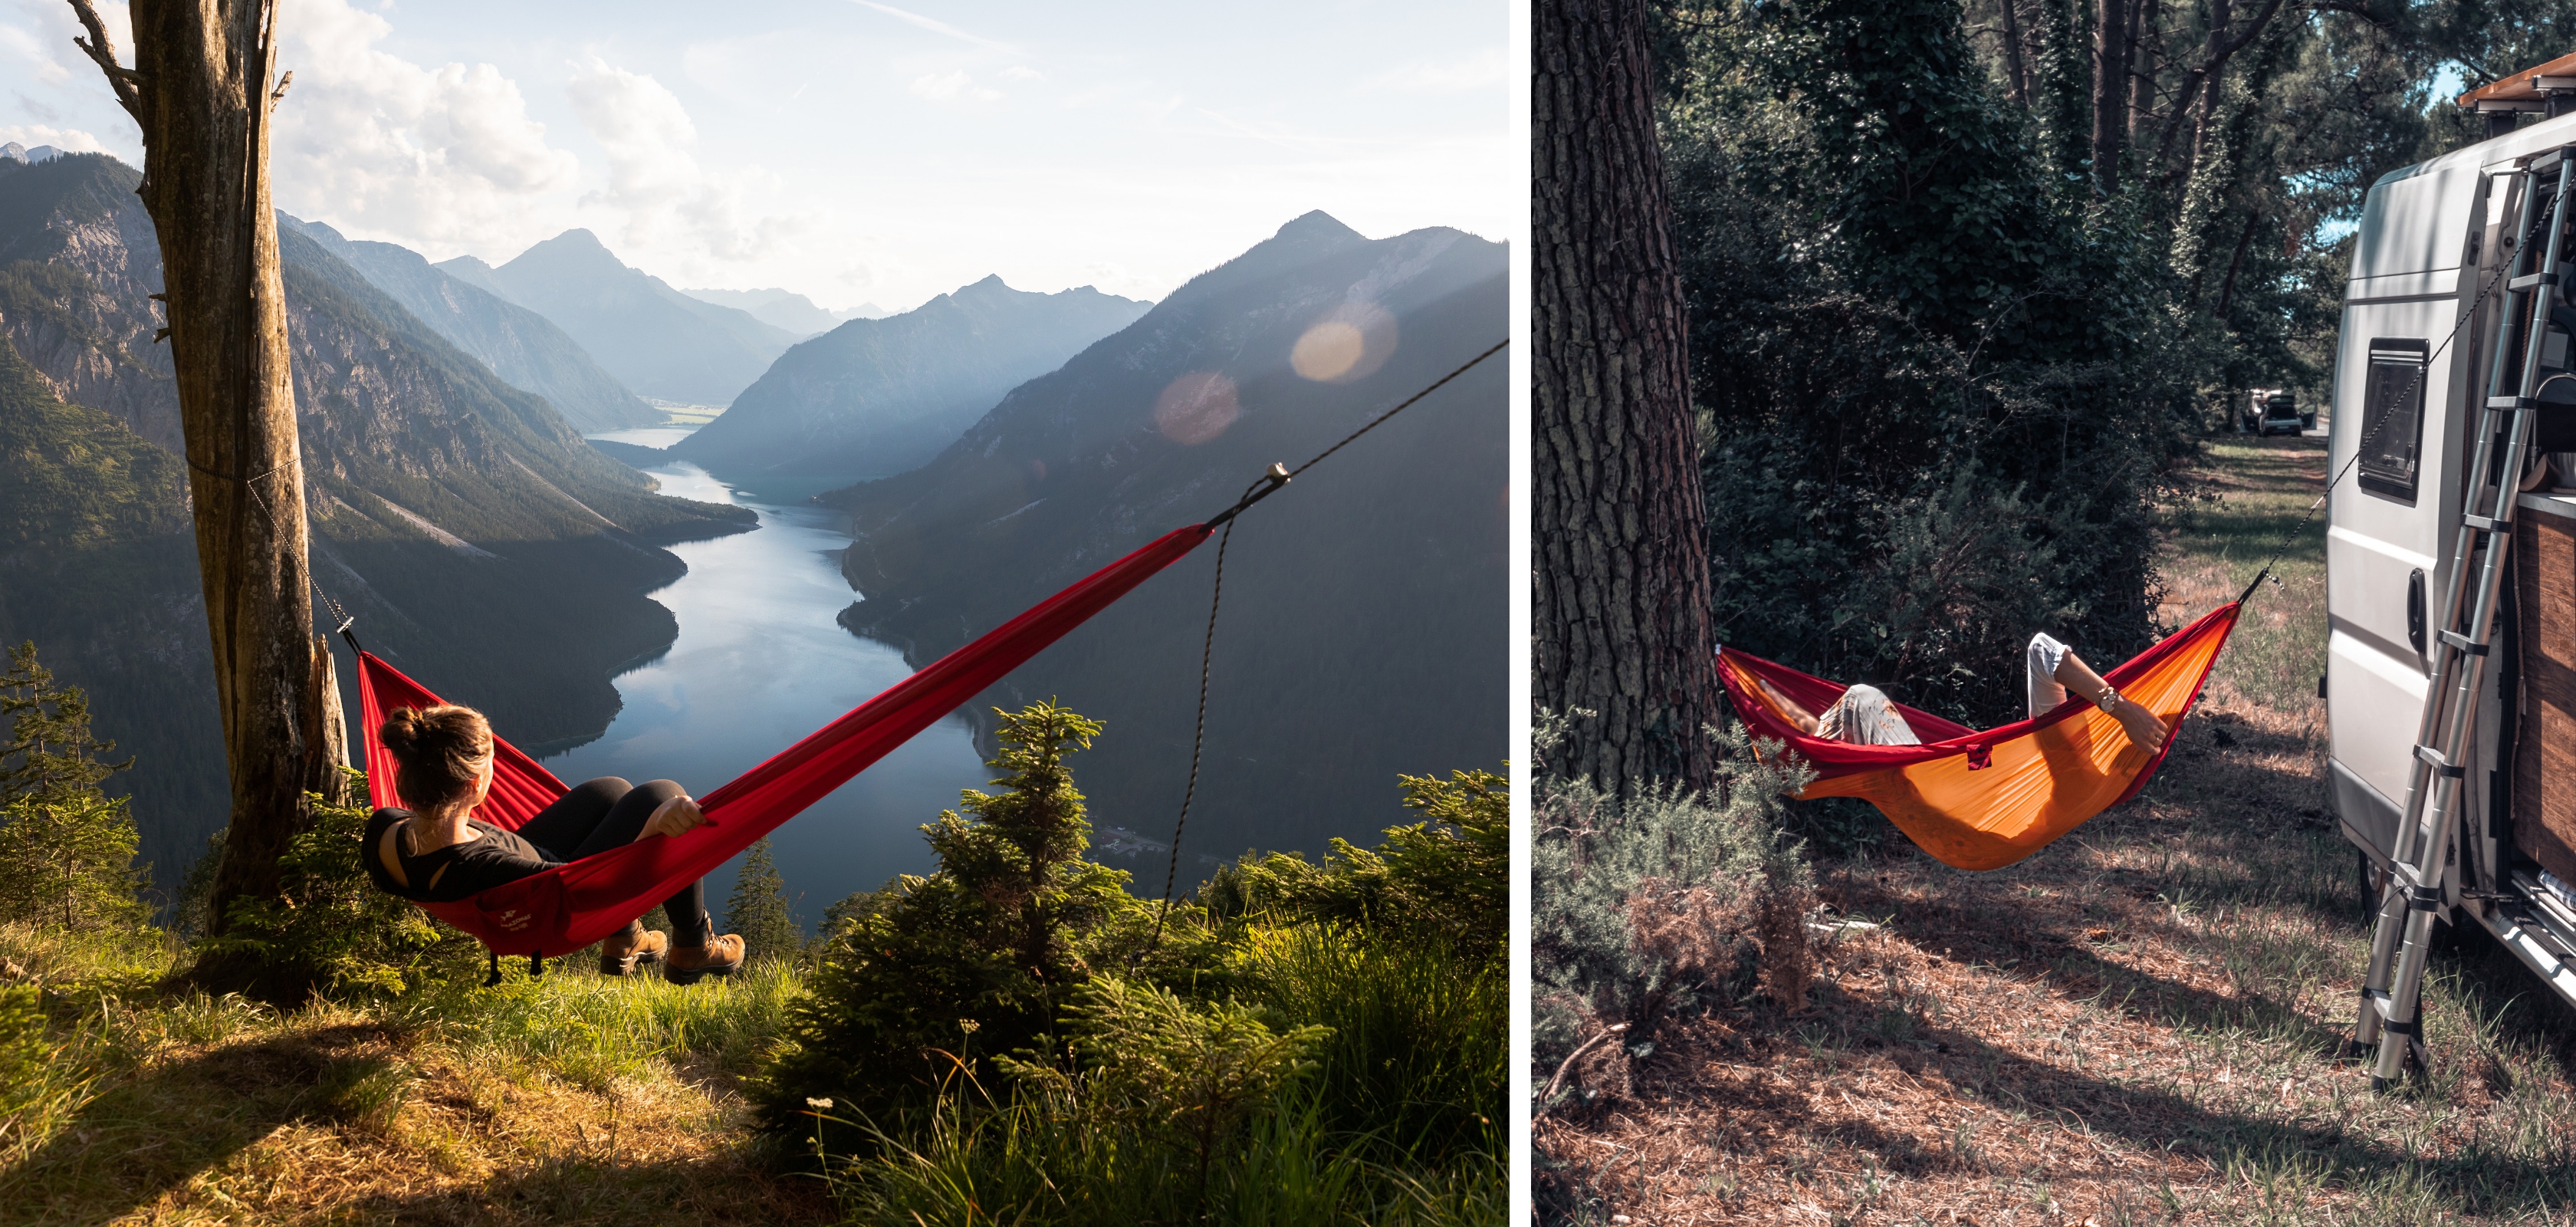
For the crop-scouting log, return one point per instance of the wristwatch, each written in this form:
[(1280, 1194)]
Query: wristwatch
[(2105, 699)]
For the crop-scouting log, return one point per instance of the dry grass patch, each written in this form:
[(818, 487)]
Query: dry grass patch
[(2141, 1024), (189, 1109)]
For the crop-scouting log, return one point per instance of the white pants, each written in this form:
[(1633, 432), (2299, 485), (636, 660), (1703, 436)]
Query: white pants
[(2045, 655)]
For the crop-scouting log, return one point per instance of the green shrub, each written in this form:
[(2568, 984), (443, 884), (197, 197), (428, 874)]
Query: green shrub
[(328, 929), (1448, 876), (990, 946), (23, 1052), (1643, 906), (69, 861), (1182, 1074)]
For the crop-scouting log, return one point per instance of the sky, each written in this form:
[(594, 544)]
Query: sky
[(850, 150)]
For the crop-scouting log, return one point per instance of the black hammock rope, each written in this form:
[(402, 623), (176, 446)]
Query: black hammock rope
[(1269, 484)]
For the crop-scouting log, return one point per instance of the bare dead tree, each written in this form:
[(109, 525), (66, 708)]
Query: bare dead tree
[(200, 89), (1621, 583)]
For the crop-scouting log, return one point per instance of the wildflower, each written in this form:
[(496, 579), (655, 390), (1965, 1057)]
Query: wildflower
[(819, 1105)]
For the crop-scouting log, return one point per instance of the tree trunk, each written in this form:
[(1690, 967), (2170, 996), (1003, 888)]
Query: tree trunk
[(2112, 30), (2145, 48), (2216, 55), (1621, 575), (2016, 76), (200, 90)]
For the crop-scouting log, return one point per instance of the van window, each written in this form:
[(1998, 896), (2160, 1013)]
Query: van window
[(2392, 418)]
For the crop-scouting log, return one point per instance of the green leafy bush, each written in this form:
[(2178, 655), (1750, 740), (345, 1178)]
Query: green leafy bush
[(1655, 903), (328, 929)]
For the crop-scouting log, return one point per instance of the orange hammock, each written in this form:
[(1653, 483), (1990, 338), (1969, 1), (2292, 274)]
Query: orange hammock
[(1985, 800)]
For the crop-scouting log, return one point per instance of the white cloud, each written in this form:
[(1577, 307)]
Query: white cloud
[(950, 87), (1486, 69), (654, 176), (435, 158), (69, 139), (1022, 72), (21, 44)]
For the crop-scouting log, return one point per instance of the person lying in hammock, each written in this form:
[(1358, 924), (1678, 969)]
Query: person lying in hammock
[(437, 853), (1863, 715)]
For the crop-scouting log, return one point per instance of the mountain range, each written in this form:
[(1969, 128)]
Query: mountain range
[(1362, 632), (522, 347), (873, 398), (478, 539), (788, 309), (659, 342)]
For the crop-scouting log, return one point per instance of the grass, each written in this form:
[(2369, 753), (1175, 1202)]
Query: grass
[(2139, 1025), (570, 1099)]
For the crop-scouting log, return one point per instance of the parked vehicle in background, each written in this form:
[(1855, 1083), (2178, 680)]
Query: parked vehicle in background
[(2280, 413)]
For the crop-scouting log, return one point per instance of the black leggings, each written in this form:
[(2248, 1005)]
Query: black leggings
[(605, 813)]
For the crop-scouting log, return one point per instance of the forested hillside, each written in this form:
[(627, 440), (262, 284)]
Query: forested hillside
[(1363, 630), (522, 347), (478, 539), (872, 398)]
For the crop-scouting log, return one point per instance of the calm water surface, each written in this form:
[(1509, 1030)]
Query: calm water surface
[(760, 663)]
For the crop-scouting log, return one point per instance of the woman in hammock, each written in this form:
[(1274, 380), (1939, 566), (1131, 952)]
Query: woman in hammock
[(438, 853), (1864, 716)]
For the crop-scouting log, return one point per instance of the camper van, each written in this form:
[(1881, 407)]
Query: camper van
[(2448, 348)]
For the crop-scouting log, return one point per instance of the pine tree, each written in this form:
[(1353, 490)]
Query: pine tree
[(47, 754), (758, 908), (66, 850)]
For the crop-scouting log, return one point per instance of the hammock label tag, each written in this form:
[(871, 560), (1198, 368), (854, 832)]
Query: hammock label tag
[(1980, 757)]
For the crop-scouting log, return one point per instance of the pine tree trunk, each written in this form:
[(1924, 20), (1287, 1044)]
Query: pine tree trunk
[(201, 91), (1621, 573), (2112, 30), (2016, 77)]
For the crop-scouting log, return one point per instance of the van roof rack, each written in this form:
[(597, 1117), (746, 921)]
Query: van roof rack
[(2532, 89)]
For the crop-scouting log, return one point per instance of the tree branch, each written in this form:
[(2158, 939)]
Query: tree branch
[(2200, 77), (127, 84)]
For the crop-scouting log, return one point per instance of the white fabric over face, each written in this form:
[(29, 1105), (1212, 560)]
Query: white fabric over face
[(1863, 716), (2045, 655)]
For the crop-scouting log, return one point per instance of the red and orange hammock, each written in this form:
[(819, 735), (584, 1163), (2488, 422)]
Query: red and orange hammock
[(566, 908), (1985, 800)]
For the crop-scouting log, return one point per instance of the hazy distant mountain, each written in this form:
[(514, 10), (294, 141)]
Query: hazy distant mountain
[(483, 545), (519, 345), (15, 152), (876, 397), (1364, 628), (787, 309), (657, 341)]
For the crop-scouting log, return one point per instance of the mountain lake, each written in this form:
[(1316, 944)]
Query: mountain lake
[(760, 663)]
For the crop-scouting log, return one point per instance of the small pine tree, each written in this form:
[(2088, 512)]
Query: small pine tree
[(66, 850), (48, 753), (758, 908), (977, 959)]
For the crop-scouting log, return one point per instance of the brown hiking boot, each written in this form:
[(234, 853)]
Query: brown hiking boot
[(721, 956), (622, 951)]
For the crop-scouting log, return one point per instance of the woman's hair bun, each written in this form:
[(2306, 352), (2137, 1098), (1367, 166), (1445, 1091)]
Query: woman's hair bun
[(438, 752)]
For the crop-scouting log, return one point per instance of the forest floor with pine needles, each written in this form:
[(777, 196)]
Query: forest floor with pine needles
[(2140, 1024), (572, 1099)]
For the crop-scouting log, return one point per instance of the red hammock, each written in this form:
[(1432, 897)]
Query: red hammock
[(1985, 800), (566, 908)]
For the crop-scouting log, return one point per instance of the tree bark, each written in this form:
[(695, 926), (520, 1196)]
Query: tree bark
[(1621, 581), (2145, 46), (200, 90), (2016, 76), (2113, 27)]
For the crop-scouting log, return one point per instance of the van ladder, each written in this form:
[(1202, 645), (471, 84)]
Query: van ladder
[(2392, 993)]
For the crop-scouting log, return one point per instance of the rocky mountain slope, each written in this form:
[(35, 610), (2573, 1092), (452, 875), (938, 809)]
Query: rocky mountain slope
[(484, 547), (522, 347), (876, 397), (1363, 631), (657, 341)]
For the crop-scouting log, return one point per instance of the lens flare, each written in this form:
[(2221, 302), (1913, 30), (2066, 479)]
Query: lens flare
[(1196, 407), (1350, 342)]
